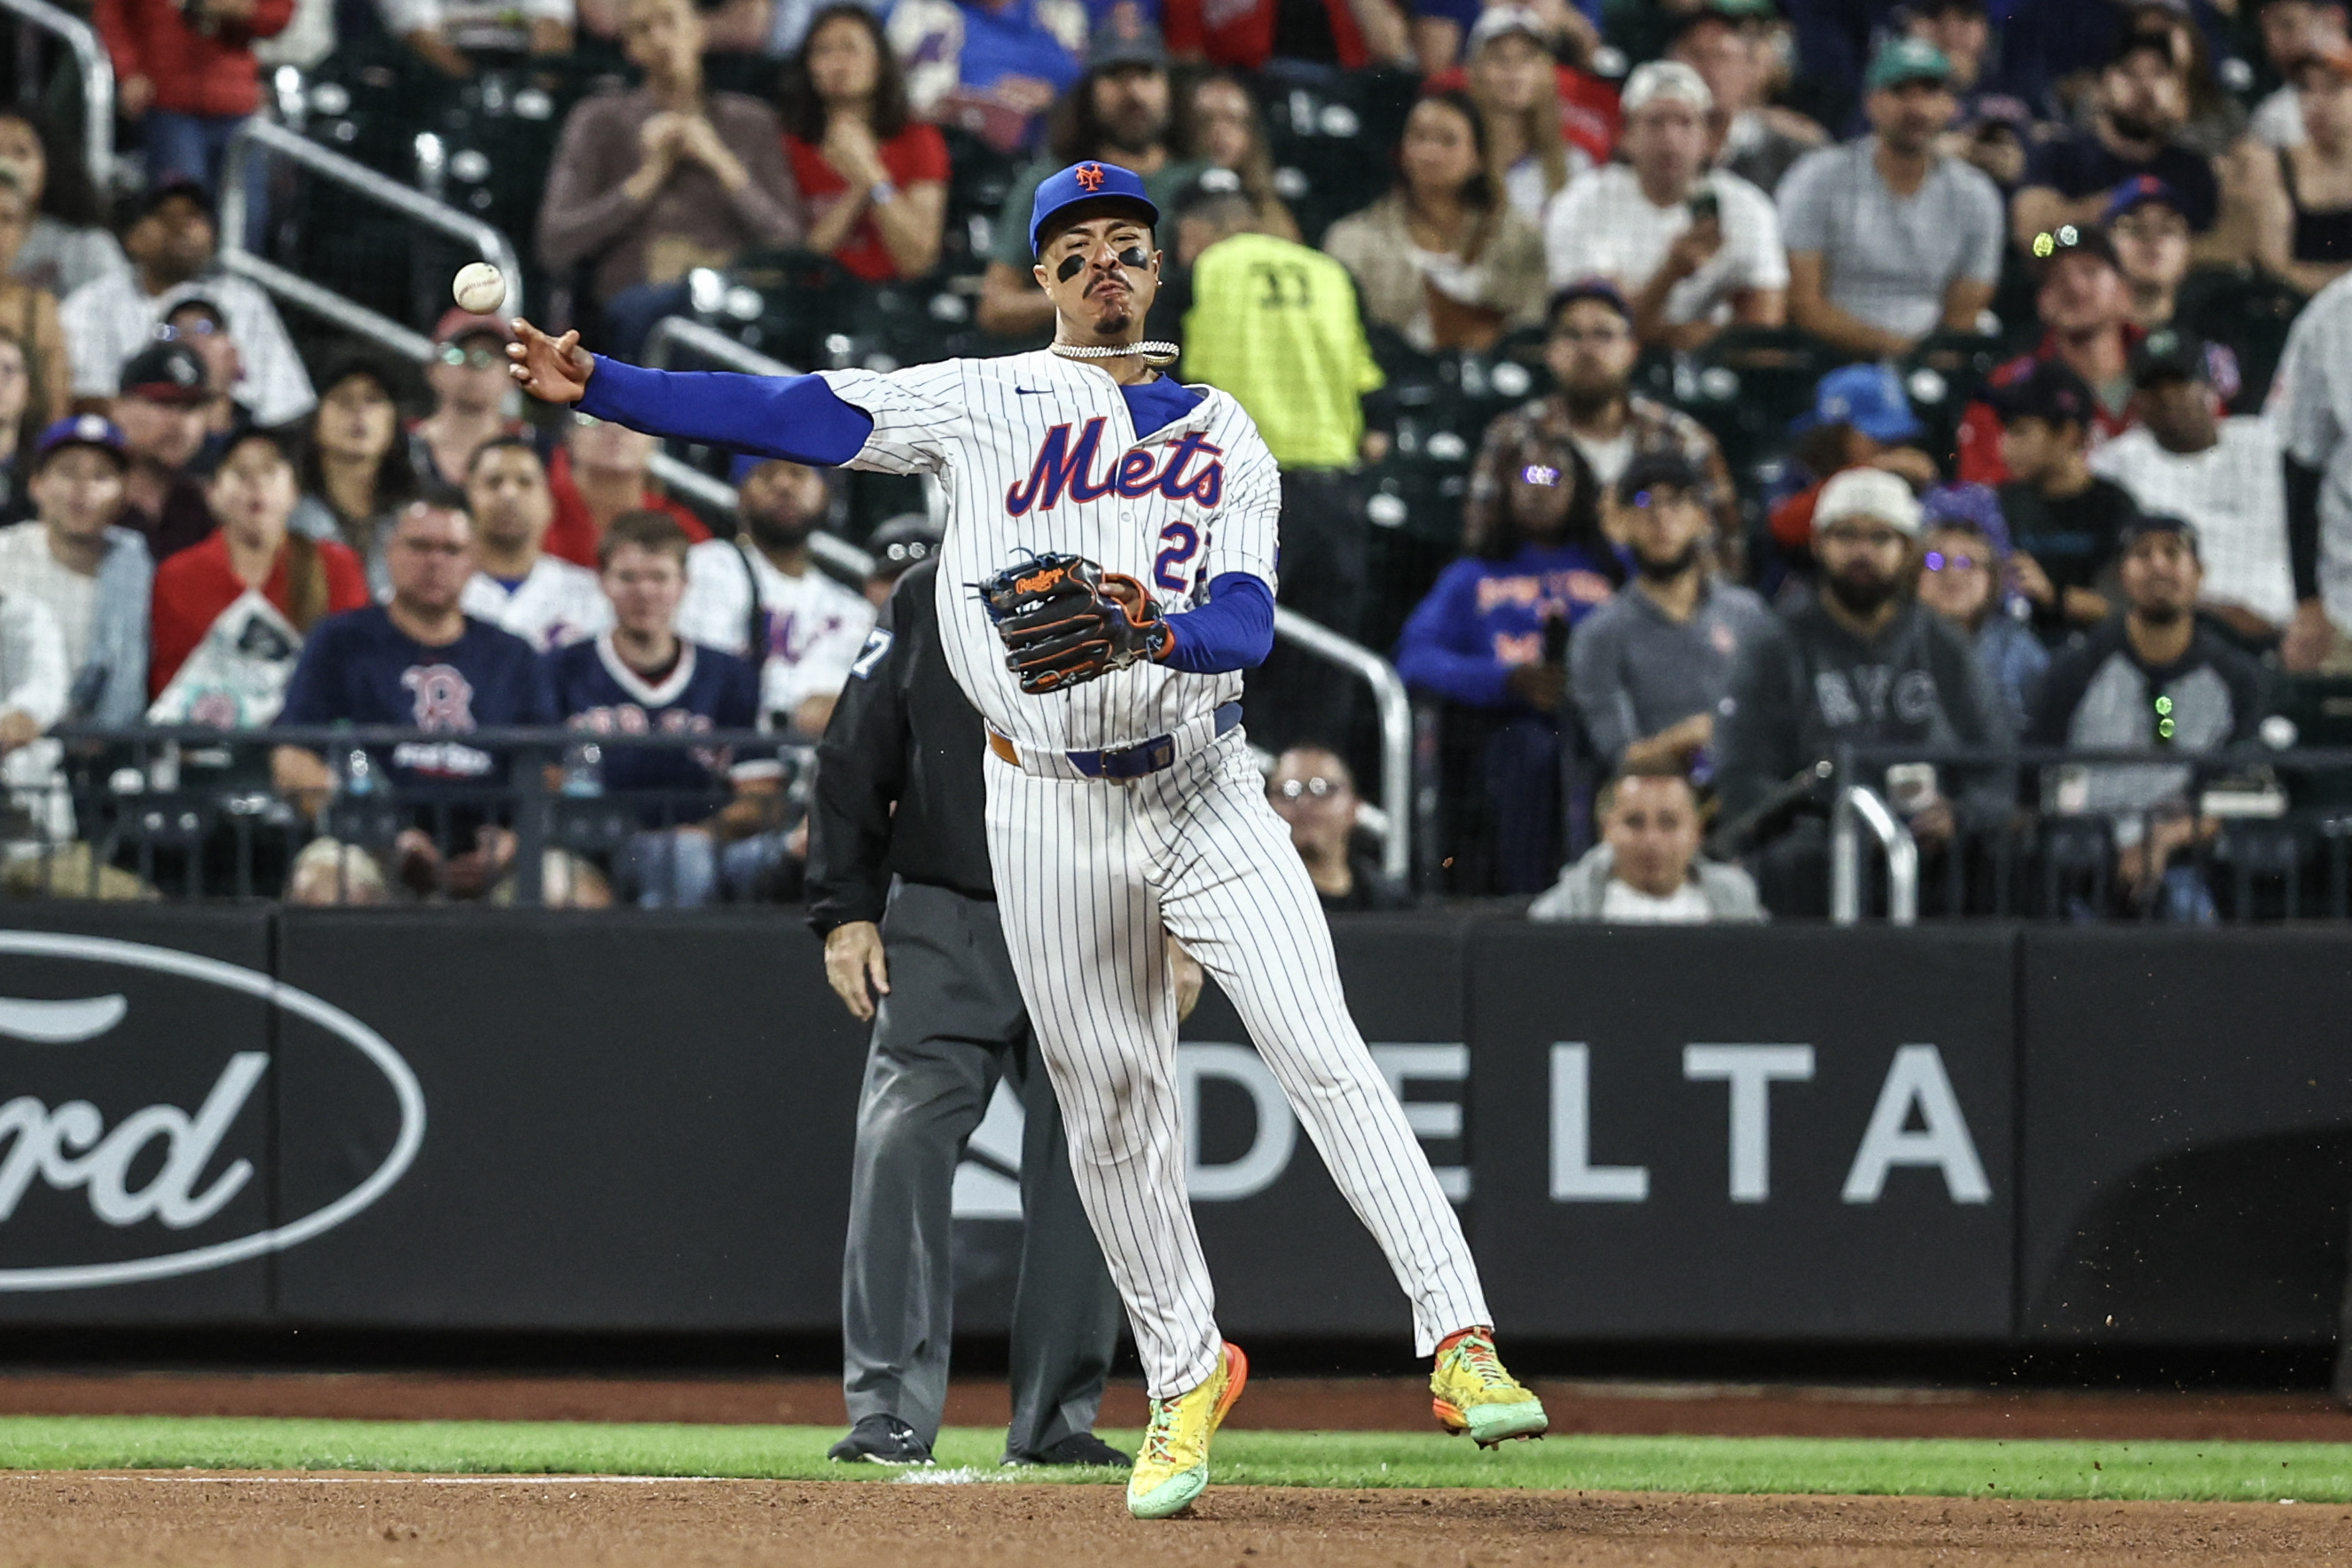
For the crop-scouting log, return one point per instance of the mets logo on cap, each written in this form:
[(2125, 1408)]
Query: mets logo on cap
[(1087, 181)]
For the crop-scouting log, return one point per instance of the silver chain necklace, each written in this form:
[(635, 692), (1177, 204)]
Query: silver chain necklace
[(1152, 353)]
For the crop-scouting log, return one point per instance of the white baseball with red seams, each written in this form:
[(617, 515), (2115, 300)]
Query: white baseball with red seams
[(1038, 453)]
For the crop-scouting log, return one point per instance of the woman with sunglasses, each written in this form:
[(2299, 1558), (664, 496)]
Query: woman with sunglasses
[(468, 376), (1962, 574)]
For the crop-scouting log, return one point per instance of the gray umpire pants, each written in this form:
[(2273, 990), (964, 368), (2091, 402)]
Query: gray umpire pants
[(953, 1025)]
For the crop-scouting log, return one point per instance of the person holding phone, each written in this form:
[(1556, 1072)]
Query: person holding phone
[(1693, 251)]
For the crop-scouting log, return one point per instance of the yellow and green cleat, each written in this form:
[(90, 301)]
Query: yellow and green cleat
[(1472, 1393), (1172, 1467)]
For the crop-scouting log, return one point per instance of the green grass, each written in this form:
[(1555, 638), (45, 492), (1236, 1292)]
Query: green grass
[(2309, 1472)]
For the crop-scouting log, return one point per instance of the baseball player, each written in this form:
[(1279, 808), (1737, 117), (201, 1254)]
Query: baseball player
[(900, 888), (1139, 517), (2310, 407)]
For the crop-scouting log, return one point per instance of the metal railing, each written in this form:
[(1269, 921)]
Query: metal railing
[(1860, 803), (1392, 823), (677, 332), (97, 71), (2245, 834), (188, 811), (262, 138)]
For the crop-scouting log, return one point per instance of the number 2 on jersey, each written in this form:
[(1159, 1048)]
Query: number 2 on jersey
[(1178, 542)]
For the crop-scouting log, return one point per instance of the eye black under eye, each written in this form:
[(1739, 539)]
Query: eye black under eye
[(1071, 266), (1135, 257)]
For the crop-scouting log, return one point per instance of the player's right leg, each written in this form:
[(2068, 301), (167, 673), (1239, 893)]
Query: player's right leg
[(1082, 921), (1083, 926)]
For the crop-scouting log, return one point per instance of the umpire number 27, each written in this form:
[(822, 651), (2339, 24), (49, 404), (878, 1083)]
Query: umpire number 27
[(1178, 542)]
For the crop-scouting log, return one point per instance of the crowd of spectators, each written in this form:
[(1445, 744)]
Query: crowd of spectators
[(1659, 614)]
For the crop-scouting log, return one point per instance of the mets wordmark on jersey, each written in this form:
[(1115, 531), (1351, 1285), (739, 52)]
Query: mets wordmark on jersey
[(1039, 453)]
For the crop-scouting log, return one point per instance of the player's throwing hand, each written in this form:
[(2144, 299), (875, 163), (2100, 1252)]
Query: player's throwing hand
[(553, 370)]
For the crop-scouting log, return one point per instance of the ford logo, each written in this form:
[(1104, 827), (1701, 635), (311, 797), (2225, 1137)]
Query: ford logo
[(70, 1147)]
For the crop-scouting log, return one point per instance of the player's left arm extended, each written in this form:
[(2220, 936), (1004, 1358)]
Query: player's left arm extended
[(1234, 631), (796, 417)]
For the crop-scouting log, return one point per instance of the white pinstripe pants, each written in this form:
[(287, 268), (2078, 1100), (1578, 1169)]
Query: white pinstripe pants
[(1086, 874)]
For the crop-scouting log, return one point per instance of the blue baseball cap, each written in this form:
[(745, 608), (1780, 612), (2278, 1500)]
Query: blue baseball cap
[(2137, 192), (1870, 398), (81, 430), (1080, 184)]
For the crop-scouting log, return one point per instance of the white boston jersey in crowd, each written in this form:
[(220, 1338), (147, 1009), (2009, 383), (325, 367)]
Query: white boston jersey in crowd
[(1039, 453), (557, 603), (810, 626), (2233, 492), (2310, 407)]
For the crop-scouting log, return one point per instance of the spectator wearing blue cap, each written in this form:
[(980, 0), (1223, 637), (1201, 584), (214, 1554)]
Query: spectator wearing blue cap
[(760, 596), (1861, 418), (1890, 239), (94, 576), (2151, 238), (1963, 577), (1595, 416), (1120, 112)]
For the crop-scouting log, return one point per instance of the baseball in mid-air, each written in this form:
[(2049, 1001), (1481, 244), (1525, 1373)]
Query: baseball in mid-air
[(479, 287)]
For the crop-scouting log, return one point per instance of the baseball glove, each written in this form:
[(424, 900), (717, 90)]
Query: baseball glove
[(1065, 621)]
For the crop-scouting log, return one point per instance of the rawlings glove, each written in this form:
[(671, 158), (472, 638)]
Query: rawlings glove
[(1065, 621)]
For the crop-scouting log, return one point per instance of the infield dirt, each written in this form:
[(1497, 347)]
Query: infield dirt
[(111, 1520)]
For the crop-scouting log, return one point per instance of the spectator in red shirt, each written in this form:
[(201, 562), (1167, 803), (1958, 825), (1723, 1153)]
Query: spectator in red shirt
[(199, 593), (2087, 319), (187, 70), (602, 472), (873, 177), (1349, 34)]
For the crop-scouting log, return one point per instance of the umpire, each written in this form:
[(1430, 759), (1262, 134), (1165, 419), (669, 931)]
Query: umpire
[(898, 794)]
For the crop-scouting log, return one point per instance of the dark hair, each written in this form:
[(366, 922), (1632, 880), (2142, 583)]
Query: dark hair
[(67, 193), (395, 476), (1075, 131), (656, 533), (1500, 537), (1478, 190), (503, 444), (802, 111)]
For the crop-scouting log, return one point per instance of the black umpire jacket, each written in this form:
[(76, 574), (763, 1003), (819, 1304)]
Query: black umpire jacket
[(904, 736)]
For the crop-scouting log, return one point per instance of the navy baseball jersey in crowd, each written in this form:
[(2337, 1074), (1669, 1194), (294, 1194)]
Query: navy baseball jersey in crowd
[(359, 668), (705, 690)]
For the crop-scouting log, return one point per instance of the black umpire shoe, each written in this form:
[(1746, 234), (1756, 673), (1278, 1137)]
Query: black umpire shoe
[(884, 1440), (1078, 1448)]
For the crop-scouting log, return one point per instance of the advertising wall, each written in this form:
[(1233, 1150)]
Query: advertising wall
[(538, 1121)]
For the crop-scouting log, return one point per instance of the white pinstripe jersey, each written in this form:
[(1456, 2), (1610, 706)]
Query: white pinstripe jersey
[(2310, 407), (1038, 453)]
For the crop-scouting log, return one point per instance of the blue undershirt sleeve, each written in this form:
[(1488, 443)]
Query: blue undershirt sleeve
[(795, 418), (1234, 631)]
